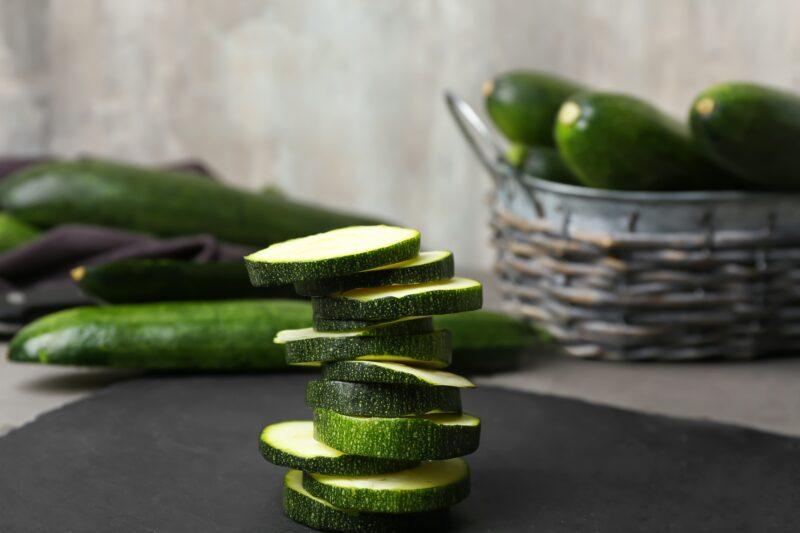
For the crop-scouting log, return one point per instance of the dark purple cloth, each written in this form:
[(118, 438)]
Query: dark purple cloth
[(51, 256)]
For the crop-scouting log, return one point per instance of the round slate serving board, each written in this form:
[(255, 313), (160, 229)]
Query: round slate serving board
[(180, 453)]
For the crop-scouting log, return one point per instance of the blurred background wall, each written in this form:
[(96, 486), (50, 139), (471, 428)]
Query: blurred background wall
[(339, 101)]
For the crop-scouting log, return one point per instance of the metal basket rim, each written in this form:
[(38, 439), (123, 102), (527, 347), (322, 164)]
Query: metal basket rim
[(654, 197)]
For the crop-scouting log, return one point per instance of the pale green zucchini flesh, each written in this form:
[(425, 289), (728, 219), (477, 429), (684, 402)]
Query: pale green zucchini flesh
[(380, 399), (427, 266), (408, 326), (431, 485), (292, 444), (392, 373), (454, 295), (333, 253)]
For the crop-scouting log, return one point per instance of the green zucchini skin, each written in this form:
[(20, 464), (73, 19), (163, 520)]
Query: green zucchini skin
[(368, 372), (616, 141), (14, 232), (524, 104), (316, 513), (158, 202), (541, 162), (224, 335), (442, 269), (487, 341), (378, 399), (169, 333), (265, 273), (752, 131), (390, 501), (434, 347), (343, 465), (422, 324), (168, 280), (413, 439), (434, 302)]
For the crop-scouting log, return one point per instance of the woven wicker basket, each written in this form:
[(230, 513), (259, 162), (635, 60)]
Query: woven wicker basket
[(638, 276)]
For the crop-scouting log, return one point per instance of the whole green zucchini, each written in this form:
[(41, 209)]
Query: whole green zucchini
[(230, 335), (751, 130), (523, 104), (160, 203), (168, 280), (616, 141)]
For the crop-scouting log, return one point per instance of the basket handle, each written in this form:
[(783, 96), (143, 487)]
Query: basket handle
[(480, 138)]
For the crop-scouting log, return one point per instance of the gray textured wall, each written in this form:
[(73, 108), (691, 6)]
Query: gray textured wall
[(340, 100)]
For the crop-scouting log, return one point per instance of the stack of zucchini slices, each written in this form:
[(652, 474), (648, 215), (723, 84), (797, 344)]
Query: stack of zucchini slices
[(383, 451)]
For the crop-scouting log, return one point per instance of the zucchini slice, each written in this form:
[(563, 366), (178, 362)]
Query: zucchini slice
[(391, 373), (430, 349), (380, 399), (302, 507), (344, 325), (454, 295), (399, 327), (431, 485), (333, 253), (435, 436), (427, 266), (292, 444)]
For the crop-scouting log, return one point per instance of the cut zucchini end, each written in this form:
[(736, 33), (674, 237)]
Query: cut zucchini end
[(296, 437)]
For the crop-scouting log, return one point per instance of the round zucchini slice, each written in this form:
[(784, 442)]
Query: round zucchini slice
[(454, 295), (431, 485), (430, 349), (379, 399), (427, 266), (399, 327), (392, 373), (333, 253), (292, 444), (426, 437), (314, 512), (344, 325)]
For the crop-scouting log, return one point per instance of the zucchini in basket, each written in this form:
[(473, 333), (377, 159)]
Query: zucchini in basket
[(524, 104), (158, 202), (751, 130), (616, 141)]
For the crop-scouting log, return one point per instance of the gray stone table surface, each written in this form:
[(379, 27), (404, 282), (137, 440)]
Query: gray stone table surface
[(759, 394)]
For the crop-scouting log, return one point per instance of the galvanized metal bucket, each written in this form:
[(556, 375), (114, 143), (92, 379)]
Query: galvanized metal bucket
[(643, 275)]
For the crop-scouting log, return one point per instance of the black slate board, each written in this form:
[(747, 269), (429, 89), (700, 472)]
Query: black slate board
[(179, 453)]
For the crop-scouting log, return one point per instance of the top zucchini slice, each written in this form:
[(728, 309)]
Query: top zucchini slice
[(389, 303), (292, 444), (427, 266), (334, 253), (429, 486), (391, 373)]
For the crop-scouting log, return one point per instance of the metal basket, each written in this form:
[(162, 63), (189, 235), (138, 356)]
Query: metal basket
[(639, 275)]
